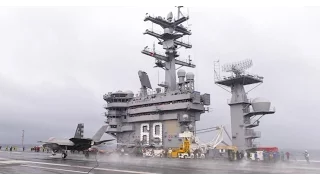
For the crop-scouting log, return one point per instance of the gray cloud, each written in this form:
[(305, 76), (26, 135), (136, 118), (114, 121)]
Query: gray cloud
[(56, 63)]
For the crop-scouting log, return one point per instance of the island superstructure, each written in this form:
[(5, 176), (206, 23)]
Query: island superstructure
[(158, 117), (245, 113)]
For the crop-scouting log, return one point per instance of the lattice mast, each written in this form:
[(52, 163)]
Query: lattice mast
[(237, 68), (172, 31)]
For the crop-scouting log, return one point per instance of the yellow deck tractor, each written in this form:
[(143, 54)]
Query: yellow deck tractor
[(184, 150)]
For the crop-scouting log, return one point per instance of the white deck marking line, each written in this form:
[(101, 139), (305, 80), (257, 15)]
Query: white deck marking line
[(86, 167), (11, 162), (55, 169), (116, 170)]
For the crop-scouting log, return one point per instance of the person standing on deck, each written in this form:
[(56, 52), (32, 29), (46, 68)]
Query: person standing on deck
[(282, 156), (306, 156), (288, 156), (256, 156), (246, 154), (238, 155), (265, 155)]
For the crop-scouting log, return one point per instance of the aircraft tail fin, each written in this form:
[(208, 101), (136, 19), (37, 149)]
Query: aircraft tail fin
[(100, 133), (79, 131)]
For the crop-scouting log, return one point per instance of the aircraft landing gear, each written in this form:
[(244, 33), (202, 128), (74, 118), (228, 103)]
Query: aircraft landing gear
[(64, 154), (53, 152), (86, 154)]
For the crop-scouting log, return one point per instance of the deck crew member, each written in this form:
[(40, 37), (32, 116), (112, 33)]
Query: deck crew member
[(306, 156)]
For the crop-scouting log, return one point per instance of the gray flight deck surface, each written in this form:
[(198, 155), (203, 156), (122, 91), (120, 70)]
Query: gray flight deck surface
[(42, 163)]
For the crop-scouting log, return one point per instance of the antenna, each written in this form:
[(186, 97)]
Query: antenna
[(179, 12), (216, 65), (237, 67)]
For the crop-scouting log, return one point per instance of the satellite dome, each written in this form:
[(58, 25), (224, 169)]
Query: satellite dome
[(190, 76), (181, 73), (129, 92), (259, 99), (260, 104), (185, 117)]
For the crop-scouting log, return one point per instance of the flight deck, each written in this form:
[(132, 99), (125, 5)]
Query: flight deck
[(42, 163)]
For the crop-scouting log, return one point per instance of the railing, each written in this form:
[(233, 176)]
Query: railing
[(155, 17), (116, 104), (151, 96), (115, 113), (250, 110), (155, 51), (160, 53), (254, 76), (245, 74), (254, 145), (154, 31), (162, 32), (252, 133)]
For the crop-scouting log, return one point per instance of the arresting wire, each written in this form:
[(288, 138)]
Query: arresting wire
[(97, 165)]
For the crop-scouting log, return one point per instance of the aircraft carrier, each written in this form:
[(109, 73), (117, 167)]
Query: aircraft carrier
[(162, 117)]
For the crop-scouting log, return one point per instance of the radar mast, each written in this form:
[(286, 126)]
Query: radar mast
[(244, 112), (172, 31)]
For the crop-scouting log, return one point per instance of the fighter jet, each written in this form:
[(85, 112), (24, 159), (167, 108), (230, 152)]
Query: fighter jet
[(77, 143)]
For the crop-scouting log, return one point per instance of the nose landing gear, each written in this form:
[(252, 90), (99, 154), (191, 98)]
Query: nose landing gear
[(86, 154), (53, 153), (64, 154)]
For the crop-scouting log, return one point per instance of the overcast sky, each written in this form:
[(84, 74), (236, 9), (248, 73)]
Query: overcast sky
[(56, 64)]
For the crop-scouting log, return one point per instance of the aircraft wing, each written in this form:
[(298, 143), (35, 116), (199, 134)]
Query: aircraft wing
[(103, 141), (81, 141), (61, 143), (88, 141), (51, 145), (46, 142)]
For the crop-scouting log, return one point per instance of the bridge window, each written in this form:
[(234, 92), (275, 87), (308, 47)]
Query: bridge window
[(145, 128), (144, 138), (157, 130)]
